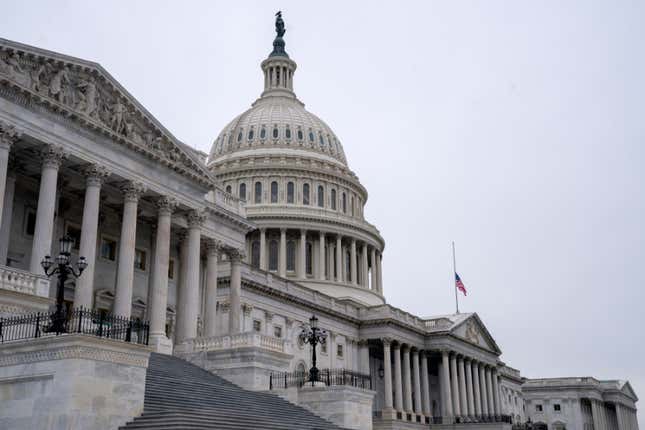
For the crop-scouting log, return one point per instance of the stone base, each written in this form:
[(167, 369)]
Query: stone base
[(347, 407), (160, 343), (71, 382), (387, 421)]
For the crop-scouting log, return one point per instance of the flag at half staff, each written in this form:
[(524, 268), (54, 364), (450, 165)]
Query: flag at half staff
[(459, 285)]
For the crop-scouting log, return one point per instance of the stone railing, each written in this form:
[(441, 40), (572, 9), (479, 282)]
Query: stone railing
[(21, 281), (228, 201), (437, 323), (555, 382), (238, 341)]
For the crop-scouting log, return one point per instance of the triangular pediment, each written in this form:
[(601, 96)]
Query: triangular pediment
[(85, 92), (629, 391), (473, 330)]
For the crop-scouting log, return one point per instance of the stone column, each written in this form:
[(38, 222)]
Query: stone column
[(210, 314), (159, 285), (425, 384), (7, 215), (94, 175), (398, 382), (416, 376), (42, 241), (379, 271), (263, 249), (407, 380), (387, 373), (462, 386), (364, 268), (598, 423), (619, 417), (302, 266), (339, 259), (364, 355), (496, 398), (469, 388), (477, 394), (8, 136), (446, 398), (282, 260), (483, 389), (372, 283), (352, 262), (454, 379), (189, 292), (235, 293), (321, 256), (268, 322), (125, 272), (489, 392)]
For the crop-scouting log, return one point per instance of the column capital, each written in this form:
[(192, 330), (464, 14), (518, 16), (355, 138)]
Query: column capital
[(362, 342), (386, 341), (303, 231), (132, 190), (53, 155), (283, 230), (268, 315), (166, 205), (414, 350), (235, 255), (396, 345), (9, 135), (262, 229), (95, 174), (195, 218), (247, 308), (213, 247)]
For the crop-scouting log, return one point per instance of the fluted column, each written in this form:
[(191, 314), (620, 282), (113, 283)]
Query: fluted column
[(321, 255), (462, 386), (235, 292), (210, 313), (416, 380), (282, 260), (7, 215), (302, 266), (446, 398), (352, 261), (455, 385), (469, 388), (263, 248), (425, 384), (339, 259), (387, 373), (364, 267), (8, 136), (189, 292), (94, 175), (489, 392), (398, 382), (125, 272), (496, 398), (372, 281), (159, 285), (364, 355), (477, 392), (596, 415), (379, 271), (44, 229)]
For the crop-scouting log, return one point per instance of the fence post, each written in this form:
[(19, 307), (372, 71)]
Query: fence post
[(285, 380), (37, 331), (80, 318), (271, 381), (101, 324), (344, 376), (328, 378), (128, 336)]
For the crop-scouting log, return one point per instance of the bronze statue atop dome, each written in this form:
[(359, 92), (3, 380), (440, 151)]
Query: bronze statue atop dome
[(278, 42)]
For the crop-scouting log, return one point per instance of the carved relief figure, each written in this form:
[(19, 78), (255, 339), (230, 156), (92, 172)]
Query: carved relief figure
[(117, 119), (471, 332), (88, 94), (58, 85), (36, 78)]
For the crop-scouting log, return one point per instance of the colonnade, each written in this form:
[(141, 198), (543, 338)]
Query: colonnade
[(329, 252), (625, 417)]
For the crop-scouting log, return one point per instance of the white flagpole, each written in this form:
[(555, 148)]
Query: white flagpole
[(454, 276)]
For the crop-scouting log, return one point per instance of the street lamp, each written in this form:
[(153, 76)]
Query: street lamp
[(313, 335), (64, 268)]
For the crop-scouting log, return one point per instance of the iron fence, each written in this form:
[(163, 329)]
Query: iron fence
[(79, 320), (466, 419), (327, 376)]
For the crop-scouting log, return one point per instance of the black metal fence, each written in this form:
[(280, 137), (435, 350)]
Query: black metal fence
[(327, 376), (80, 320), (466, 419)]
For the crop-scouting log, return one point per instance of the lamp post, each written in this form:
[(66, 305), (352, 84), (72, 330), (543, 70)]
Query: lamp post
[(64, 268), (313, 335)]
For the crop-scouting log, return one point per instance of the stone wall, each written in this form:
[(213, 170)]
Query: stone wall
[(348, 407), (71, 382)]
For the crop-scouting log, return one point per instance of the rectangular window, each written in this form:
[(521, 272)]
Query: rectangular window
[(277, 331), (171, 269), (30, 222), (257, 326), (557, 407), (140, 259), (74, 231), (339, 351), (108, 249), (538, 408)]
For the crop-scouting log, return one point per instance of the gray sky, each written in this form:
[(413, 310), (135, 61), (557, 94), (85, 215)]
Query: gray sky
[(513, 128)]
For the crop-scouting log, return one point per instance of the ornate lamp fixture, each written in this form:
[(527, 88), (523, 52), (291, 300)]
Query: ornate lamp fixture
[(64, 268), (313, 335)]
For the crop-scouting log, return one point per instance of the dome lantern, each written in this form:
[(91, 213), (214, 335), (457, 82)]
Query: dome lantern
[(278, 68)]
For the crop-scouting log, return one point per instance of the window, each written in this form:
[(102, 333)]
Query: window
[(344, 203), (305, 194), (140, 259), (263, 133), (300, 135), (290, 192), (321, 196), (538, 408), (74, 231), (258, 192), (275, 132), (229, 189), (274, 192), (30, 222), (339, 351), (171, 269), (239, 136), (277, 331), (352, 205), (322, 142), (108, 249), (257, 326), (287, 133), (273, 255), (251, 134), (309, 256), (348, 272), (311, 136), (255, 253), (557, 407), (291, 255), (333, 199), (243, 191)]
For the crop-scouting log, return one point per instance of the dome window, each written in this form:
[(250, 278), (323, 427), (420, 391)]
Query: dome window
[(287, 133), (273, 255), (344, 203), (322, 141), (333, 199), (255, 253), (263, 133), (311, 136), (305, 194), (243, 191), (291, 256), (321, 196), (228, 189), (258, 192), (239, 136), (250, 137), (275, 132), (290, 192), (300, 135), (274, 192)]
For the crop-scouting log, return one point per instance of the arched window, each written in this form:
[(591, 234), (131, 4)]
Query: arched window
[(251, 134), (275, 132), (300, 136), (239, 136), (273, 255), (258, 192), (255, 253), (309, 257), (243, 191), (291, 255), (352, 205), (290, 192), (305, 194), (274, 192), (344, 203), (333, 199), (228, 189), (348, 272), (311, 136), (322, 142), (263, 133), (287, 133), (321, 196)]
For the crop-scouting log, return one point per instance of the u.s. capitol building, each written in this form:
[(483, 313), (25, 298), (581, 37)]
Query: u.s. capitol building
[(227, 255)]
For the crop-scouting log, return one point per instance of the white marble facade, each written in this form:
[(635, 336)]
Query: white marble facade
[(235, 248)]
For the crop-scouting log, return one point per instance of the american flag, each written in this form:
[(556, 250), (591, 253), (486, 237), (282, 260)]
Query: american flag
[(460, 285)]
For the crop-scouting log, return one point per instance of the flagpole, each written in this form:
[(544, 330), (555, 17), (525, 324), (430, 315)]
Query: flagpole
[(454, 275)]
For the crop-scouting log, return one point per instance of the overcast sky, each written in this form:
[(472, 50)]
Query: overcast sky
[(514, 128)]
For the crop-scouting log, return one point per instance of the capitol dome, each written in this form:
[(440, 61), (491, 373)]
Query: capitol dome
[(290, 169)]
